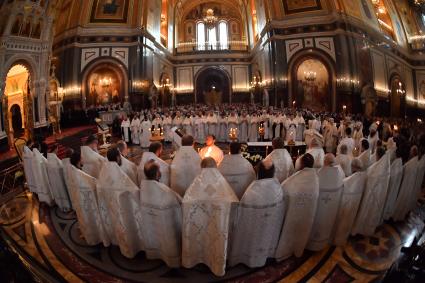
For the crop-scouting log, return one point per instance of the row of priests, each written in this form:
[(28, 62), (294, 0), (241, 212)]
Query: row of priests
[(216, 210)]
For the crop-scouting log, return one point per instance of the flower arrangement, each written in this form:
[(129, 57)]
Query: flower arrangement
[(254, 159)]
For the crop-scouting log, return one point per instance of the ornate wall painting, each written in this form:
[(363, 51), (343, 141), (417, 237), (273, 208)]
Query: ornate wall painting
[(298, 6), (109, 11), (352, 8), (366, 9), (401, 38), (407, 17), (65, 12)]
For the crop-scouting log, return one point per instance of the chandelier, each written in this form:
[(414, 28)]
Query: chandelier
[(210, 20), (310, 76)]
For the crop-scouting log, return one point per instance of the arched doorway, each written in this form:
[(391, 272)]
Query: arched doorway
[(105, 83), (311, 84), (397, 98), (212, 87), (16, 117), (16, 100)]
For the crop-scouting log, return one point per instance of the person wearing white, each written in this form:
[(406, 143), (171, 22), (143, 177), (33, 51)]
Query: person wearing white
[(212, 123), (358, 135), (28, 156), (330, 136), (167, 122), (185, 167), (135, 130), (117, 199), (291, 128), (237, 171), (253, 128), (331, 185), (83, 189), (300, 122), (155, 151), (284, 167), (91, 159), (407, 187), (301, 192), (232, 123), (260, 216), (187, 125), (43, 190), (394, 187), (317, 152), (373, 137), (199, 127), (145, 133), (344, 160), (348, 141), (365, 157), (207, 218), (418, 181), (373, 201), (243, 128), (160, 218), (211, 150), (58, 186), (222, 128), (125, 129), (350, 202), (127, 166)]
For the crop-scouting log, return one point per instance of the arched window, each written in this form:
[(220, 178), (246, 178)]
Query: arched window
[(212, 37), (200, 36), (223, 35)]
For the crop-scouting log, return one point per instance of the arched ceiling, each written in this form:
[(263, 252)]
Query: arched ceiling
[(185, 6)]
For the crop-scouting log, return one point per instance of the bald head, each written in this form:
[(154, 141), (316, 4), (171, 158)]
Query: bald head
[(187, 140), (330, 160), (208, 162), (152, 171), (266, 170), (343, 149)]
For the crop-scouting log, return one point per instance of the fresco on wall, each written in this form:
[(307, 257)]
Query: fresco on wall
[(366, 9), (407, 17), (297, 6), (352, 8), (104, 87), (109, 11), (312, 86), (401, 38)]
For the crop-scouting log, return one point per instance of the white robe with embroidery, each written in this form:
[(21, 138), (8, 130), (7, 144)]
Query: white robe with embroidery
[(92, 161), (185, 167), (43, 189), (57, 182), (407, 188), (373, 201), (282, 161), (301, 192), (350, 203), (117, 198), (212, 151), (258, 223), (394, 188), (331, 182), (238, 172), (135, 131), (145, 134), (125, 128), (163, 167), (159, 221), (207, 220), (28, 156), (130, 169)]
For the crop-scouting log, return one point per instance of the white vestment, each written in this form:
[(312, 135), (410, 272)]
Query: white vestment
[(164, 168), (130, 169), (319, 158), (58, 186), (238, 172), (350, 203), (92, 161), (28, 156), (373, 201), (185, 167), (331, 182), (393, 189), (349, 142), (418, 183), (365, 159), (212, 151), (43, 190), (207, 220), (253, 129), (301, 192), (258, 223), (406, 189), (135, 131), (145, 134), (282, 161), (83, 190), (118, 204), (344, 160), (160, 222), (243, 129), (125, 128)]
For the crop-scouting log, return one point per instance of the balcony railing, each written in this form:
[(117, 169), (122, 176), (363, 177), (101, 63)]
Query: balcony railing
[(191, 47)]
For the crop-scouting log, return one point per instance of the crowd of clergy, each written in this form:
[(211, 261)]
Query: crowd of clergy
[(217, 209)]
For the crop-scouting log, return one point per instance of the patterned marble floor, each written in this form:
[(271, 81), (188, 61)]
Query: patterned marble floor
[(49, 242)]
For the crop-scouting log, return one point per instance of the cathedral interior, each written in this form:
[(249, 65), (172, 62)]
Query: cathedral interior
[(62, 59)]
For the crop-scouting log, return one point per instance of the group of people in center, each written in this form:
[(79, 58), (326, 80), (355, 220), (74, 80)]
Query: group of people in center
[(216, 209)]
